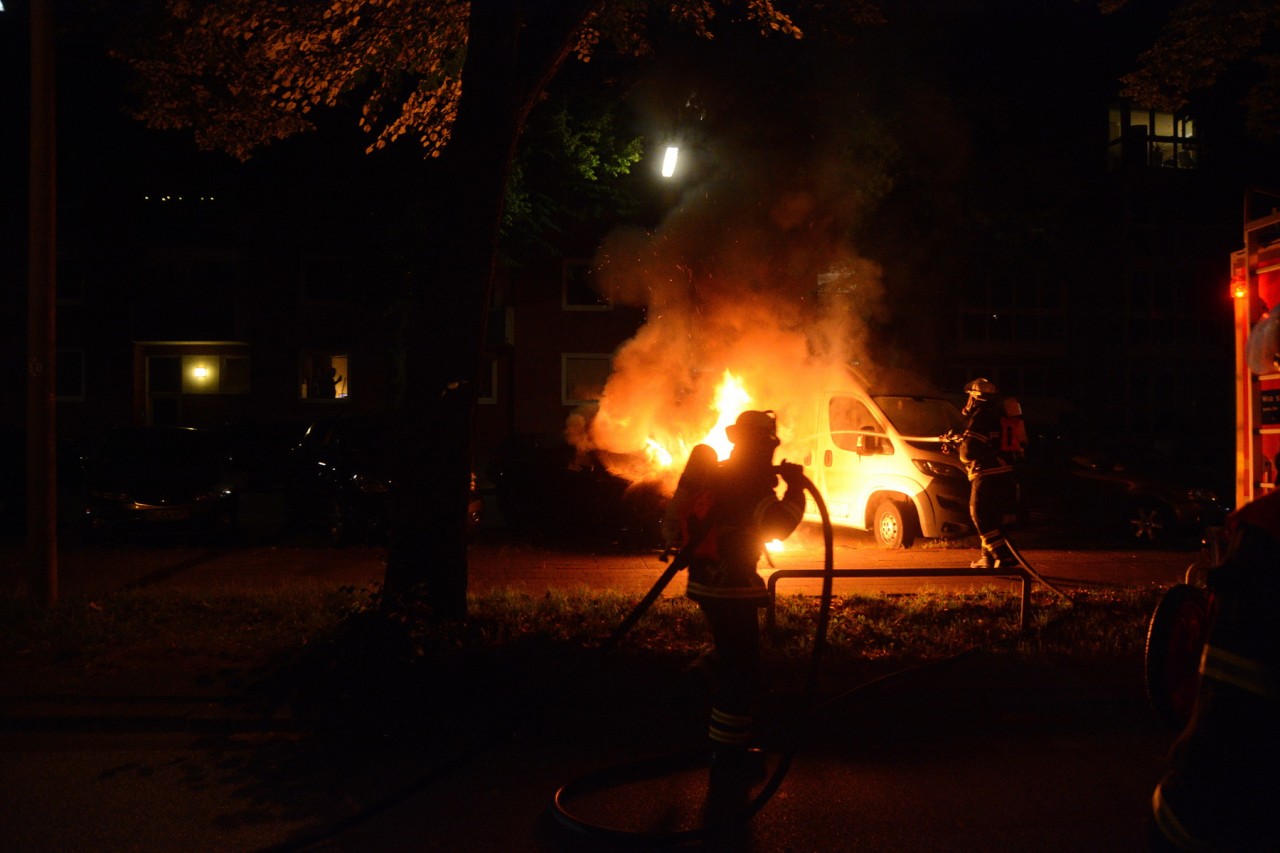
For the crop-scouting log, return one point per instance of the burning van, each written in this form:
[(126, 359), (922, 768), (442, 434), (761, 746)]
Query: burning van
[(879, 460), (876, 456)]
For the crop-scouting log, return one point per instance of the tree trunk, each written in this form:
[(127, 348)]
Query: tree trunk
[(509, 61)]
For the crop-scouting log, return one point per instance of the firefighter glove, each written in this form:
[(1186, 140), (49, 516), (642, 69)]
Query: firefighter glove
[(791, 474)]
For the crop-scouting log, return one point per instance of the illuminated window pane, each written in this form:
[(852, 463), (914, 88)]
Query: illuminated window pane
[(200, 374), (324, 376)]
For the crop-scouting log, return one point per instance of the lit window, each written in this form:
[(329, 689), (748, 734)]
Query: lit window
[(1145, 137), (324, 376), (200, 374)]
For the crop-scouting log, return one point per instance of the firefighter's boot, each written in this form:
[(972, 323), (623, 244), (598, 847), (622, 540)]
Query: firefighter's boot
[(996, 553), (986, 560)]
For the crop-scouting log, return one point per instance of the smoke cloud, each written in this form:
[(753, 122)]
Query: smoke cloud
[(755, 271)]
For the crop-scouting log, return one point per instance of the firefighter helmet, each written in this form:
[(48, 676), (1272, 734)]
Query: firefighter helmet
[(980, 388), (762, 426)]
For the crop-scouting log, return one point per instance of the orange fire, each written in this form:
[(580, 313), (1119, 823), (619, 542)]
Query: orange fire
[(731, 399), (667, 457)]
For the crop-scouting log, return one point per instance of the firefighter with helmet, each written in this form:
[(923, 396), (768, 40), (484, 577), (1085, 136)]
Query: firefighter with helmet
[(726, 511), (1222, 787), (992, 486)]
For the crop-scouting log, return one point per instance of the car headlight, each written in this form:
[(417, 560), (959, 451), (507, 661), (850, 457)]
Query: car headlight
[(937, 469)]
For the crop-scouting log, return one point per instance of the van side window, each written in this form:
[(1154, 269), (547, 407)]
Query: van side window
[(850, 419)]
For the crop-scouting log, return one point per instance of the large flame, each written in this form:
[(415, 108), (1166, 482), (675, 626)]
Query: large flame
[(667, 451)]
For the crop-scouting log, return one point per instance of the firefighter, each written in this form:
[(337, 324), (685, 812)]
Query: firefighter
[(728, 510), (1222, 786), (992, 486)]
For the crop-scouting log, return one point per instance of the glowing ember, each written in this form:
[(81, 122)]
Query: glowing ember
[(774, 546)]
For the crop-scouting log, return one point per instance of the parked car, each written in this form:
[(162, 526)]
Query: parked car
[(343, 472), (1093, 492), (259, 452), (545, 488), (152, 479)]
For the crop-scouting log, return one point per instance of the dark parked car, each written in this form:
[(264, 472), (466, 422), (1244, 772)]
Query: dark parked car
[(259, 452), (152, 479), (545, 488), (1092, 492), (343, 471)]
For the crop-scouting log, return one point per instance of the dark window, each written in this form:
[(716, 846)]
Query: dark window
[(164, 374), (234, 376), (583, 377), (579, 288)]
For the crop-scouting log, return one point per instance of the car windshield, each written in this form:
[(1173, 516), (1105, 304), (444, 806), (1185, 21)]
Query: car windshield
[(920, 416)]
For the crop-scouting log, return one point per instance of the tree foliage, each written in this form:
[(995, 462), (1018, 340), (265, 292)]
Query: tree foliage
[(572, 166), (1202, 43), (243, 73)]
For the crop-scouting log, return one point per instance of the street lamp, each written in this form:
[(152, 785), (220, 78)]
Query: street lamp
[(669, 161)]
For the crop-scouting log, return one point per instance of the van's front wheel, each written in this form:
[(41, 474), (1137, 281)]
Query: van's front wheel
[(893, 524)]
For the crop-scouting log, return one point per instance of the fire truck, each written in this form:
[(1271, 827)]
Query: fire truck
[(1255, 291)]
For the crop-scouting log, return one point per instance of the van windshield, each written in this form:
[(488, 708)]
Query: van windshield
[(921, 416)]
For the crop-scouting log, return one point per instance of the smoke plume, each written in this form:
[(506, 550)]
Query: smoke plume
[(755, 271)]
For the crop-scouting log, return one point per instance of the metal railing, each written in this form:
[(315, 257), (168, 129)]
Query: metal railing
[(1024, 613)]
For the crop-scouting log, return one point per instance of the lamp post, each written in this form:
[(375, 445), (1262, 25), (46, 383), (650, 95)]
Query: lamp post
[(42, 492)]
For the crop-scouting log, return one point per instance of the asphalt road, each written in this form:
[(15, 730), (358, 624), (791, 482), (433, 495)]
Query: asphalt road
[(267, 555)]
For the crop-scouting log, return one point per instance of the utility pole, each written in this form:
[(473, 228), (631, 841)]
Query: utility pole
[(42, 442)]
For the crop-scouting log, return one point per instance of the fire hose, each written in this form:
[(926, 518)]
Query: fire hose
[(662, 765), (651, 767)]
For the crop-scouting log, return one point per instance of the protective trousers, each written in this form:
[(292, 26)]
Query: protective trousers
[(735, 627), (989, 496)]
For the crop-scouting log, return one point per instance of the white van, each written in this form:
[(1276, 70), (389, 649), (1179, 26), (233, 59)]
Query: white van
[(877, 458)]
